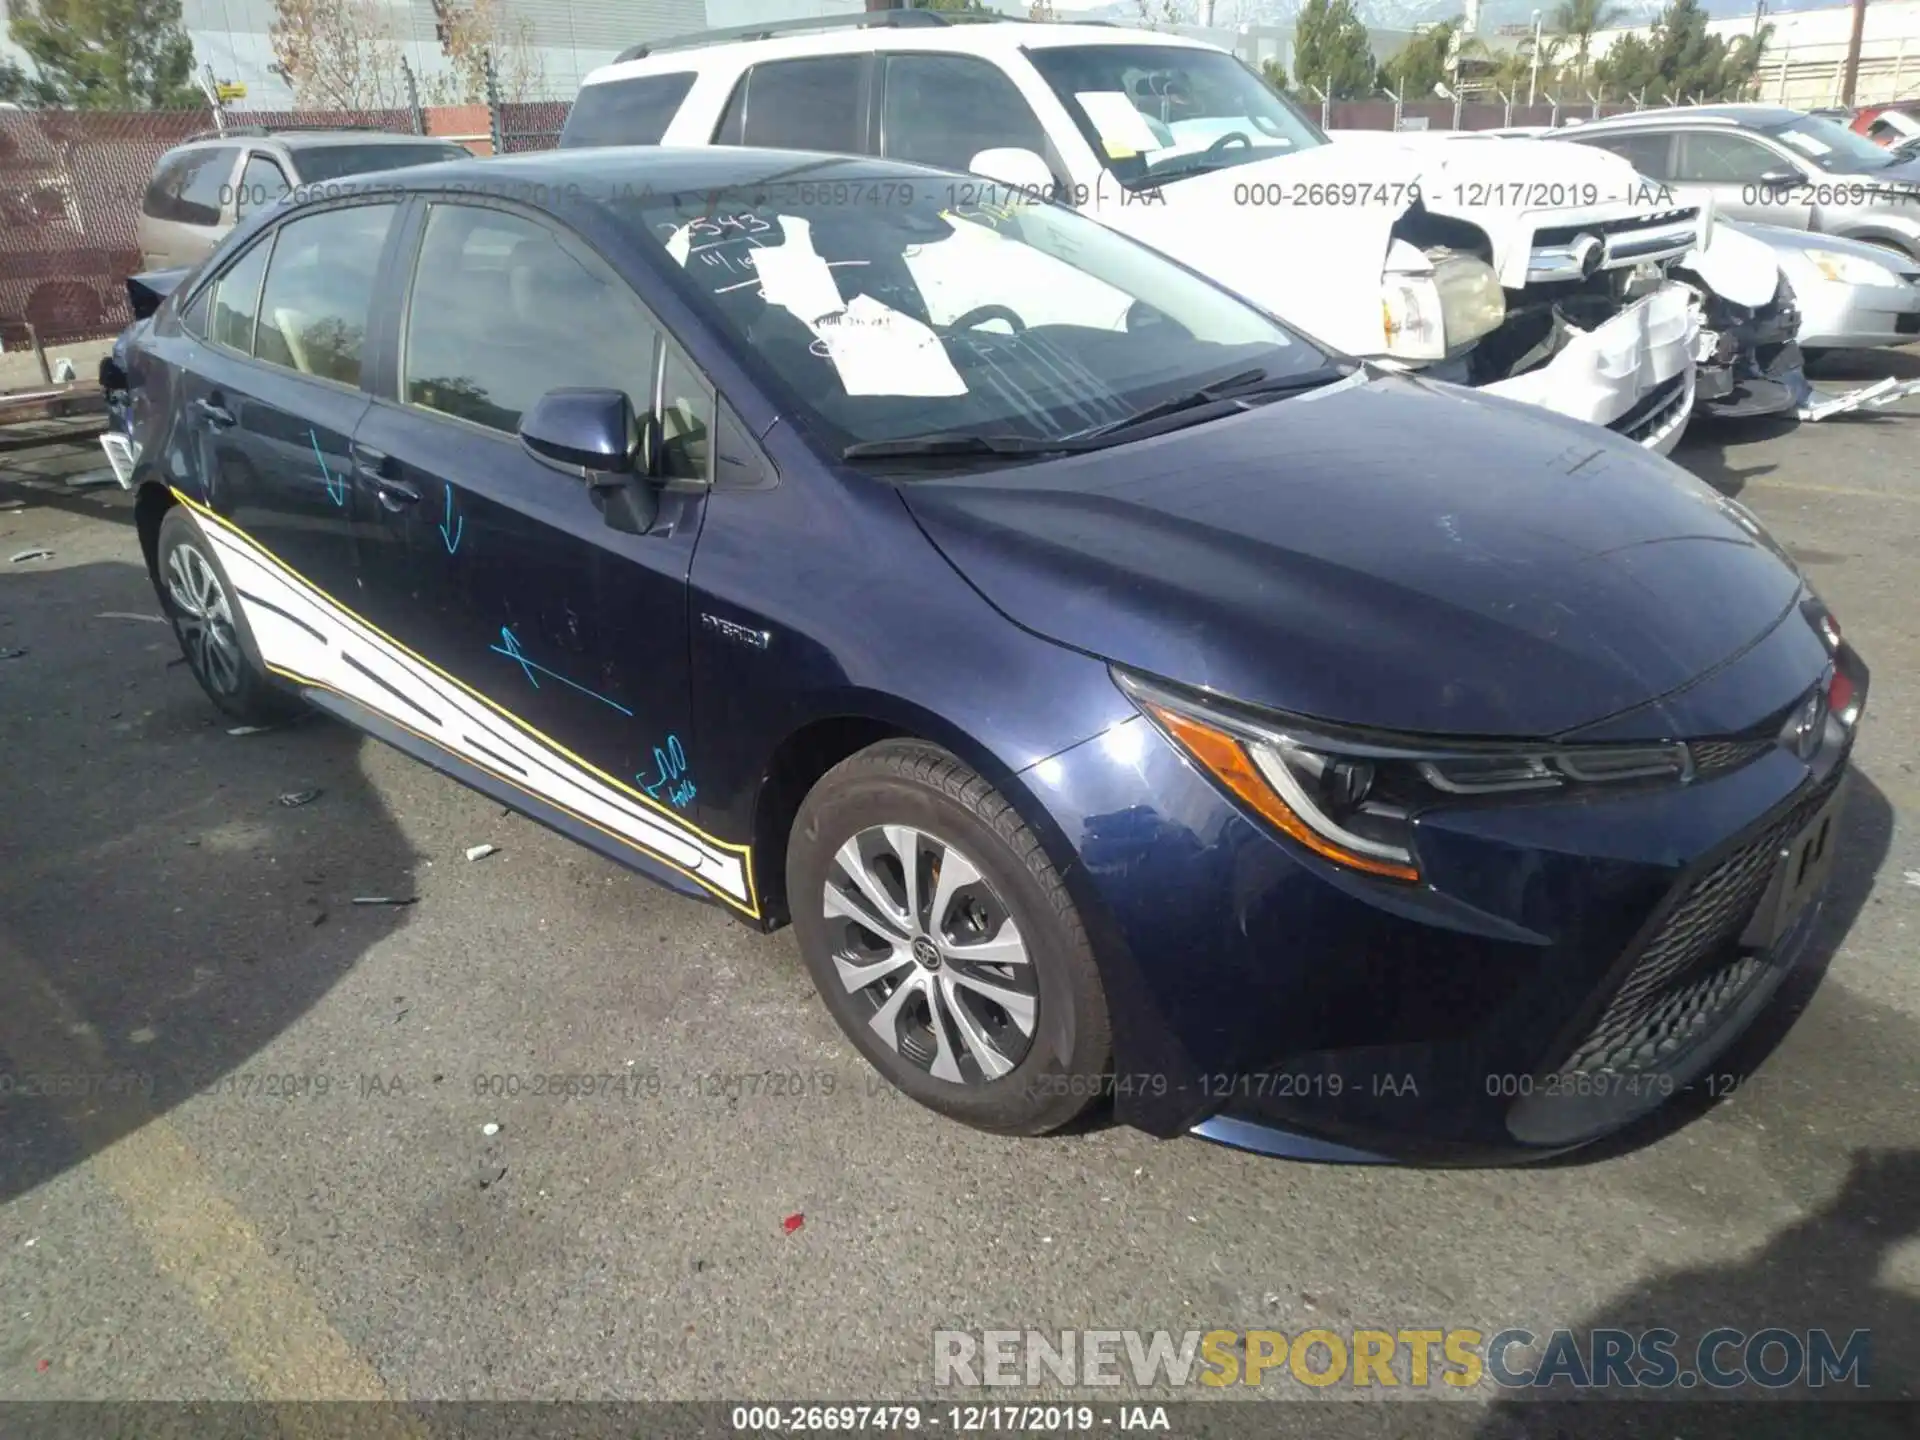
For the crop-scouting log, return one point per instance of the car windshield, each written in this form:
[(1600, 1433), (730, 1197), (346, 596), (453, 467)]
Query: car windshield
[(1155, 113), (321, 163), (919, 305), (1834, 148)]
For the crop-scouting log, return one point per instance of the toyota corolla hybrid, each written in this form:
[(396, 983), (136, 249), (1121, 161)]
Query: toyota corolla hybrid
[(1123, 697)]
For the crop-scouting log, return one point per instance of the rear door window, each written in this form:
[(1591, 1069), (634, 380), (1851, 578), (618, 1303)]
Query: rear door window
[(814, 104), (236, 299), (1648, 154), (313, 309), (625, 112), (261, 184)]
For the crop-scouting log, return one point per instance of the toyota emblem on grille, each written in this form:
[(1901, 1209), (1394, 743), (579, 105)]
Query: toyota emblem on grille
[(1804, 730)]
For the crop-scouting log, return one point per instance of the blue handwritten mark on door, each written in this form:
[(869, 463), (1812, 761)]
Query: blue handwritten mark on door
[(336, 485), (510, 647), (453, 527), (670, 769)]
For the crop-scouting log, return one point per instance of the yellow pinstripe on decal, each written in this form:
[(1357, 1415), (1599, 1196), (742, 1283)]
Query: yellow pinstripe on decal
[(666, 823)]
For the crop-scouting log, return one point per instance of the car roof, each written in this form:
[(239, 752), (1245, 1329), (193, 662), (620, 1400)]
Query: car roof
[(309, 139), (995, 39), (585, 173), (1752, 117)]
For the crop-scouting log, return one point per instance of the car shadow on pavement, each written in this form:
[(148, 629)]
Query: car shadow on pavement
[(163, 915), (1866, 834), (1823, 1273)]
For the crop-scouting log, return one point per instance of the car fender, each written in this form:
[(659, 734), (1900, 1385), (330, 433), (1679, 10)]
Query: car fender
[(1736, 267)]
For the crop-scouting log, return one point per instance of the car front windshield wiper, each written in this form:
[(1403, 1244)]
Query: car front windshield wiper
[(1245, 385), (961, 443)]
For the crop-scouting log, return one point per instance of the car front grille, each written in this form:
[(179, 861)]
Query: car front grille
[(1712, 757), (1690, 972), (1654, 410)]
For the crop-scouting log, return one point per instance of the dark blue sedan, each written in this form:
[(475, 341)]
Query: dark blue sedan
[(1126, 699)]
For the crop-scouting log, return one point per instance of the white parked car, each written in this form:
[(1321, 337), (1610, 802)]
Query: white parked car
[(1532, 270)]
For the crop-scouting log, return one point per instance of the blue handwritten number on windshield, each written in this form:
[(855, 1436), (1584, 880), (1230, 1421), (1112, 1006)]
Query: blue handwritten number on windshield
[(670, 769)]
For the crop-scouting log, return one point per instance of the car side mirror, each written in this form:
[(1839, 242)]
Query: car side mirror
[(1019, 169), (596, 435), (592, 431), (1783, 178)]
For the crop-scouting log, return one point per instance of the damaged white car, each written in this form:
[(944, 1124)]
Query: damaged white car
[(1527, 269)]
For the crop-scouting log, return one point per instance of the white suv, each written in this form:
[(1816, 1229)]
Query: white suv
[(1534, 270)]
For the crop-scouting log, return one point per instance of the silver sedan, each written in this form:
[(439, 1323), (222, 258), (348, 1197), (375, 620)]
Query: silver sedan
[(1851, 295)]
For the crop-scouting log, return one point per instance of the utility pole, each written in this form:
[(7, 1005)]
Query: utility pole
[(1852, 73), (1533, 76)]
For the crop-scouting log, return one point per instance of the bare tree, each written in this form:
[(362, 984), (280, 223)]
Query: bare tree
[(338, 54), (471, 32)]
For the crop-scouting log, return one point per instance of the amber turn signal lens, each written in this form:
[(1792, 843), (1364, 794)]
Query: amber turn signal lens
[(1227, 761)]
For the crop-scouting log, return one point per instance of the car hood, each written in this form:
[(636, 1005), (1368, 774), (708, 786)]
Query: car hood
[(1386, 552)]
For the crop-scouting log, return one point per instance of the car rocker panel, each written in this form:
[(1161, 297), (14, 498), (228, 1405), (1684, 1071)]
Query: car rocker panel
[(313, 641)]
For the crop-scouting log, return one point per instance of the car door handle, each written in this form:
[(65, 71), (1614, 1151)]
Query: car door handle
[(374, 467), (215, 414)]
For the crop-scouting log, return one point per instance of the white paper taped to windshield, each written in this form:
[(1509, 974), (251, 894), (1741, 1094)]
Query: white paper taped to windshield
[(876, 349), (879, 351), (1123, 130)]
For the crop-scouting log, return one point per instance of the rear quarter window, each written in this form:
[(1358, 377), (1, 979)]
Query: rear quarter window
[(625, 112), (191, 187)]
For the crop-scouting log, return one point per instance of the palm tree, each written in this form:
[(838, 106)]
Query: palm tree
[(1579, 19)]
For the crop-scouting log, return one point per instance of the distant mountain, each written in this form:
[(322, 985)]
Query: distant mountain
[(1406, 14)]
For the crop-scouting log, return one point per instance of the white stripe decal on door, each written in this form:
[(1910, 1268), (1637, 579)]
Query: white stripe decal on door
[(302, 631)]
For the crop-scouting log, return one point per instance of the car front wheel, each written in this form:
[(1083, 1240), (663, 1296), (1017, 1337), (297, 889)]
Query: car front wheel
[(206, 618), (944, 943)]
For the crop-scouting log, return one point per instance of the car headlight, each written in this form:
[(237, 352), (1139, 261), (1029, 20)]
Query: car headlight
[(1847, 269), (1352, 797), (1429, 316)]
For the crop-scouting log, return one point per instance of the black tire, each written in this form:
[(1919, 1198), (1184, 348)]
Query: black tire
[(235, 681), (1068, 1053)]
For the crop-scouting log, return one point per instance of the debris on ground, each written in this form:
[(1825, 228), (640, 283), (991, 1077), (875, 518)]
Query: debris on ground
[(793, 1222), (25, 555), (130, 615), (490, 1128), (11, 654), (293, 799), (480, 852), (496, 1177), (247, 729), (385, 899)]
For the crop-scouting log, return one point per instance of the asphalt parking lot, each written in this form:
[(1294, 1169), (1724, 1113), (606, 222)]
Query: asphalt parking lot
[(280, 1182)]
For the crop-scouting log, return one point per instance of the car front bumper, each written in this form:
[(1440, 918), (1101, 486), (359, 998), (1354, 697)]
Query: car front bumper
[(1836, 316), (1563, 968), (1630, 374)]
